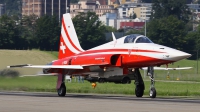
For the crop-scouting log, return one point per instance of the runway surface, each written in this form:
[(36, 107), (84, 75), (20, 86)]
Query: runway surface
[(50, 102)]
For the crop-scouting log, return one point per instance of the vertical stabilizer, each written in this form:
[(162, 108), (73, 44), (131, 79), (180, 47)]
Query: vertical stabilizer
[(69, 44)]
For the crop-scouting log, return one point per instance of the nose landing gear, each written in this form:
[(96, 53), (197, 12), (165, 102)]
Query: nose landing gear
[(152, 91)]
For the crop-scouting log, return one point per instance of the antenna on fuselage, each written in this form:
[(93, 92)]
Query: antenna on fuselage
[(68, 6), (113, 36)]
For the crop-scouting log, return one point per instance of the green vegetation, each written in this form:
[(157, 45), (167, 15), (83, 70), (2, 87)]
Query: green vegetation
[(54, 53), (170, 24), (48, 84), (90, 29), (16, 57), (13, 7), (47, 33), (31, 32), (165, 8), (147, 1), (168, 33), (182, 75), (9, 73)]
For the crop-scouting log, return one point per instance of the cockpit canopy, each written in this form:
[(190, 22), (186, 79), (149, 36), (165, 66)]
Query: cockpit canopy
[(137, 38)]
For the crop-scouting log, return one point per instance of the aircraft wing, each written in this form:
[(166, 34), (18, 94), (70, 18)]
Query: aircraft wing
[(47, 66), (162, 68), (38, 75)]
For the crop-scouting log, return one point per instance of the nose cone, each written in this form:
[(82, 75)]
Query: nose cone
[(177, 55)]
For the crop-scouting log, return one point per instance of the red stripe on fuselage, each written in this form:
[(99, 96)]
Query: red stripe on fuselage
[(67, 34)]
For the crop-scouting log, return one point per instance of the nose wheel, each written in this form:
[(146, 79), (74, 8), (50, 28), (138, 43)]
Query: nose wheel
[(152, 91)]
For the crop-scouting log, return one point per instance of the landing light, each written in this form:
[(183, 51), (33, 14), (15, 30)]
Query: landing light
[(104, 69)]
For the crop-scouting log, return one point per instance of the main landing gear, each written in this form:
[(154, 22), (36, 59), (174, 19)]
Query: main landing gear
[(61, 88), (139, 83), (152, 91)]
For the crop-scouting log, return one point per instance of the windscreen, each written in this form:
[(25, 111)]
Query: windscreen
[(143, 40), (137, 38)]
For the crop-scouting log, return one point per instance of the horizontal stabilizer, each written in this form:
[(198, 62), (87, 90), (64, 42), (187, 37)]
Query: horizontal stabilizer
[(12, 66), (48, 66)]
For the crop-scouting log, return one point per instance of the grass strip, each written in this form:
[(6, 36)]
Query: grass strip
[(48, 84)]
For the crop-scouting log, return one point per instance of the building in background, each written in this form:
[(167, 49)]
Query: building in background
[(2, 9), (129, 1), (93, 6), (111, 19), (44, 7), (136, 24), (142, 10)]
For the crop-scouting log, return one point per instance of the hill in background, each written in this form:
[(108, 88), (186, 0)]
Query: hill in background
[(16, 57)]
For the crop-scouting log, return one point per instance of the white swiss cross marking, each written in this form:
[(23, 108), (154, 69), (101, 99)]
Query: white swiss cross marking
[(62, 47)]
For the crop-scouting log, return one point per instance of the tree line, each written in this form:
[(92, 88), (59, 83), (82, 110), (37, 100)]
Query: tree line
[(171, 24), (43, 33), (29, 32)]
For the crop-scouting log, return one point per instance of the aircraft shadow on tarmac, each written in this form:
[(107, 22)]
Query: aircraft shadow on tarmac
[(108, 97)]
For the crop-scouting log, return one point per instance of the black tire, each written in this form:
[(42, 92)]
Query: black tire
[(62, 90), (152, 92), (139, 90)]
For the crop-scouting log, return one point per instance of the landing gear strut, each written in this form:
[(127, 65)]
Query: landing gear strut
[(152, 91), (139, 89), (61, 88)]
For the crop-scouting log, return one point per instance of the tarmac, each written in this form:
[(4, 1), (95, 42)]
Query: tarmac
[(50, 102)]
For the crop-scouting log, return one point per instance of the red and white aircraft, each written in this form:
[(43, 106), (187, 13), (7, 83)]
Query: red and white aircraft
[(120, 57)]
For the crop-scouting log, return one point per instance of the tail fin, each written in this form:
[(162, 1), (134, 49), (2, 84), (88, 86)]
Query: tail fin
[(69, 44)]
